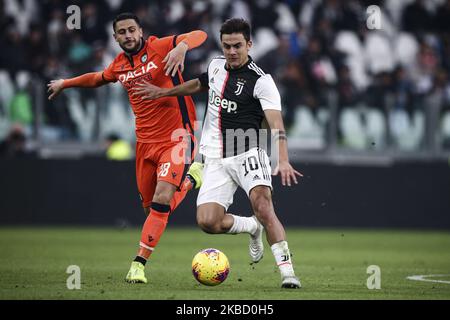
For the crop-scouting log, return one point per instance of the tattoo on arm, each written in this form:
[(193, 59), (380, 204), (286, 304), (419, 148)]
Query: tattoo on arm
[(280, 135)]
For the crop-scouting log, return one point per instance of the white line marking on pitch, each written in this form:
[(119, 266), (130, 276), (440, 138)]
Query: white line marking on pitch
[(422, 278)]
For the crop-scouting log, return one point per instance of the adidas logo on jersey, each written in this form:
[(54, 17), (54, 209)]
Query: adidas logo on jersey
[(256, 177), (230, 106)]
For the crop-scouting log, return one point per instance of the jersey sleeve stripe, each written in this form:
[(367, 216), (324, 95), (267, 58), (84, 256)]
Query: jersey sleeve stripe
[(255, 68), (183, 107), (187, 124), (174, 41)]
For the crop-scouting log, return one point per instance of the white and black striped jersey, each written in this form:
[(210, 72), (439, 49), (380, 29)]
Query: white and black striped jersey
[(236, 104)]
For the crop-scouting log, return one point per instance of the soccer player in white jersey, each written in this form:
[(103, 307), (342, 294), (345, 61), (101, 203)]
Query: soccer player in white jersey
[(241, 95)]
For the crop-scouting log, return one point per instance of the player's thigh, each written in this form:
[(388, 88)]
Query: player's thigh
[(252, 169), (164, 192), (146, 179), (217, 186), (261, 202), (173, 164)]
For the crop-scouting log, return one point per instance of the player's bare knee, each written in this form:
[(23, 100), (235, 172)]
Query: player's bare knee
[(162, 198), (263, 209), (147, 211), (262, 205), (208, 224)]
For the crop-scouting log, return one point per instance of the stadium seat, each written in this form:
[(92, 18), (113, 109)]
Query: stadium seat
[(23, 78), (348, 42), (200, 110), (376, 128), (84, 118), (378, 53), (6, 93), (308, 132), (358, 73), (405, 49), (117, 119), (350, 126), (358, 134), (4, 127), (418, 122), (394, 9), (21, 105), (263, 41), (286, 21), (323, 116), (399, 126), (445, 129), (407, 132)]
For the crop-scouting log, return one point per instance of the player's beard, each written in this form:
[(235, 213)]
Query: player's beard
[(135, 49)]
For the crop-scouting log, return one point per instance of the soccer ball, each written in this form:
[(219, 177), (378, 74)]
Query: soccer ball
[(210, 267)]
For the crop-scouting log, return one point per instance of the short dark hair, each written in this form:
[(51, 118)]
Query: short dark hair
[(236, 25), (125, 16)]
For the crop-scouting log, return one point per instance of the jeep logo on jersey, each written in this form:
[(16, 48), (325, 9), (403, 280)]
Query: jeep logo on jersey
[(230, 106), (138, 72)]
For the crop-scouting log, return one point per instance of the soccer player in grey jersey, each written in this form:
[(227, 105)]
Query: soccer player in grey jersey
[(241, 95)]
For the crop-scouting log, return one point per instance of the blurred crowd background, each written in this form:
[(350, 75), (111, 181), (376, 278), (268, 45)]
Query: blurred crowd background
[(345, 88)]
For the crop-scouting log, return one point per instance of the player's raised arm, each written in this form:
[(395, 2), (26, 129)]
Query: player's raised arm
[(287, 172), (175, 58), (193, 39), (87, 80), (148, 91)]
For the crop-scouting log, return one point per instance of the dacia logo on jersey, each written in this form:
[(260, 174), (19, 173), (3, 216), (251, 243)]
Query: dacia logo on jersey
[(138, 72), (230, 106)]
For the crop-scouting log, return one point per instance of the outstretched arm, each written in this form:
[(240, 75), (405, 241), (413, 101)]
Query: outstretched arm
[(287, 172), (148, 91), (87, 80), (193, 39), (175, 58)]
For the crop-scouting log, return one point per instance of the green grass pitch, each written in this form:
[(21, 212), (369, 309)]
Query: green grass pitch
[(332, 264)]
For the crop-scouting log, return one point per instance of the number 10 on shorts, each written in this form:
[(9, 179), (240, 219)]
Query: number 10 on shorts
[(250, 163)]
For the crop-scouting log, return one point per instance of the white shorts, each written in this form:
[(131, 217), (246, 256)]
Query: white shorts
[(221, 177)]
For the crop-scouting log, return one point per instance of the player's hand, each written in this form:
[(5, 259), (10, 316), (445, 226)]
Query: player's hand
[(287, 173), (147, 91), (175, 59), (54, 88)]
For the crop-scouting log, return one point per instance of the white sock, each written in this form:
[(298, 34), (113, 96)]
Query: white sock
[(282, 256), (243, 224)]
